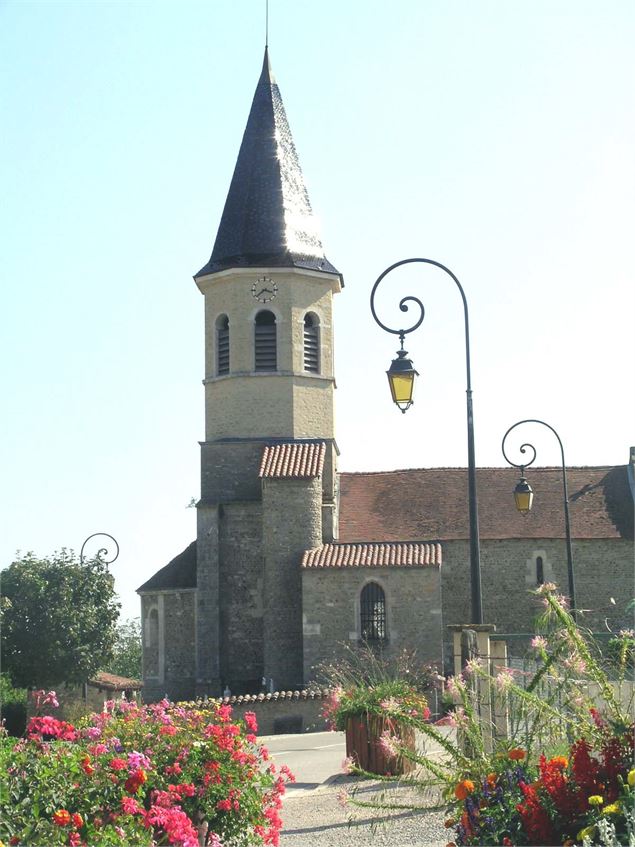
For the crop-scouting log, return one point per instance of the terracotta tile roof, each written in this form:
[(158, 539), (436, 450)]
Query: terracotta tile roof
[(246, 699), (113, 682), (178, 574), (410, 554), (296, 459), (409, 505)]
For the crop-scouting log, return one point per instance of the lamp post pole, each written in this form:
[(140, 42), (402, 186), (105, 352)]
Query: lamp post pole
[(565, 493), (402, 372)]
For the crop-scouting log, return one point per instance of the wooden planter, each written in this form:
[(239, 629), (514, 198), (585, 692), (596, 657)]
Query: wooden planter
[(363, 734)]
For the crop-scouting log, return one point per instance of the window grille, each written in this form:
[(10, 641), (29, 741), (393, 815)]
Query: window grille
[(311, 344), (222, 345), (265, 342), (373, 613)]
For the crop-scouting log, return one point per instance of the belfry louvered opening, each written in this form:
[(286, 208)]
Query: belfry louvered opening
[(311, 344), (222, 345), (373, 613), (265, 342)]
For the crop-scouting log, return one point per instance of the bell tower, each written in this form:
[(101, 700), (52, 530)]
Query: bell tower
[(269, 383)]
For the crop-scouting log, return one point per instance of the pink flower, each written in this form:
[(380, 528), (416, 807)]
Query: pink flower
[(472, 666), (138, 760), (342, 797), (576, 664), (347, 764), (390, 704), (250, 721), (389, 744), (130, 806), (224, 712), (539, 643), (456, 685), (504, 680)]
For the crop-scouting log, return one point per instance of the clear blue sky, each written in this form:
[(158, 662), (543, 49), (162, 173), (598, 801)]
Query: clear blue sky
[(495, 137)]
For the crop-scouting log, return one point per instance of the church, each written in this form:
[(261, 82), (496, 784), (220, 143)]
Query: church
[(294, 559)]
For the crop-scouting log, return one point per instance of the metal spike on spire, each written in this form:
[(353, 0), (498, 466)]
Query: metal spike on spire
[(267, 220)]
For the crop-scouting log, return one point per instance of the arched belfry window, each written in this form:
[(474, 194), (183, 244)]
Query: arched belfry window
[(311, 343), (373, 613), (222, 345), (265, 345)]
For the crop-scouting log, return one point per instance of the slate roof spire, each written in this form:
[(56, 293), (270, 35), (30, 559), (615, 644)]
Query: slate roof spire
[(267, 220)]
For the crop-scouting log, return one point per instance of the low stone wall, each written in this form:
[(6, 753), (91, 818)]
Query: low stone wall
[(282, 712)]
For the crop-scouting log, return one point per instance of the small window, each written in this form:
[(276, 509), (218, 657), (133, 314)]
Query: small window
[(222, 345), (311, 344), (540, 571), (265, 342), (152, 628), (373, 613)]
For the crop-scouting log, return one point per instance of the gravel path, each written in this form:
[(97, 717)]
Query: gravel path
[(318, 818)]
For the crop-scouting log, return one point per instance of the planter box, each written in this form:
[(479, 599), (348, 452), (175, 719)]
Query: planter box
[(363, 735)]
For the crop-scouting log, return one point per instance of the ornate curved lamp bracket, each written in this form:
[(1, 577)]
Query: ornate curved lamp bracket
[(103, 551)]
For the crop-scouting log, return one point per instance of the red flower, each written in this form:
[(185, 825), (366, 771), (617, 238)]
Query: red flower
[(224, 805), (117, 764), (62, 817), (535, 819), (86, 765), (77, 819), (135, 781), (74, 839)]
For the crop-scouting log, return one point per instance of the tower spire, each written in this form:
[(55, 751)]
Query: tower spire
[(267, 220)]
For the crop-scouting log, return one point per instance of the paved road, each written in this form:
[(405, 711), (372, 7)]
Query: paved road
[(315, 814), (313, 757)]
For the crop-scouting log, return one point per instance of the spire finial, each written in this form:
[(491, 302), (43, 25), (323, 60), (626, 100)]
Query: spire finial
[(266, 24)]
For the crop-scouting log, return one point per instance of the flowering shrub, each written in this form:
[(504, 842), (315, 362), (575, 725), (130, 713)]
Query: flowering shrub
[(538, 758), (159, 774), (365, 683), (396, 700)]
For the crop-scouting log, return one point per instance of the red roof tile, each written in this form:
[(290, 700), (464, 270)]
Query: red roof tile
[(297, 459), (411, 554), (113, 682), (409, 505)]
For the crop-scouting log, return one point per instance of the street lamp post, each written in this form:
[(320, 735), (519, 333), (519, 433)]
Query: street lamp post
[(523, 495), (401, 376)]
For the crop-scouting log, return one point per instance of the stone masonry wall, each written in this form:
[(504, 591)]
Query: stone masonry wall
[(603, 568), (292, 523), (241, 593), (332, 611), (168, 650)]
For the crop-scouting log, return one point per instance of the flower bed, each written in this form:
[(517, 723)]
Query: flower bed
[(534, 758), (160, 774)]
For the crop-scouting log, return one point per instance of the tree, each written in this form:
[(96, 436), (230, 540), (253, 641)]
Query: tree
[(58, 619), (126, 660)]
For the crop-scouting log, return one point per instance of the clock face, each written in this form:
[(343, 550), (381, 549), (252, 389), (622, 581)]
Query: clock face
[(264, 289)]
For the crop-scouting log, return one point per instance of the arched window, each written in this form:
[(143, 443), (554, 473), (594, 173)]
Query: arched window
[(311, 344), (152, 628), (222, 345), (373, 613), (540, 571), (265, 342)]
